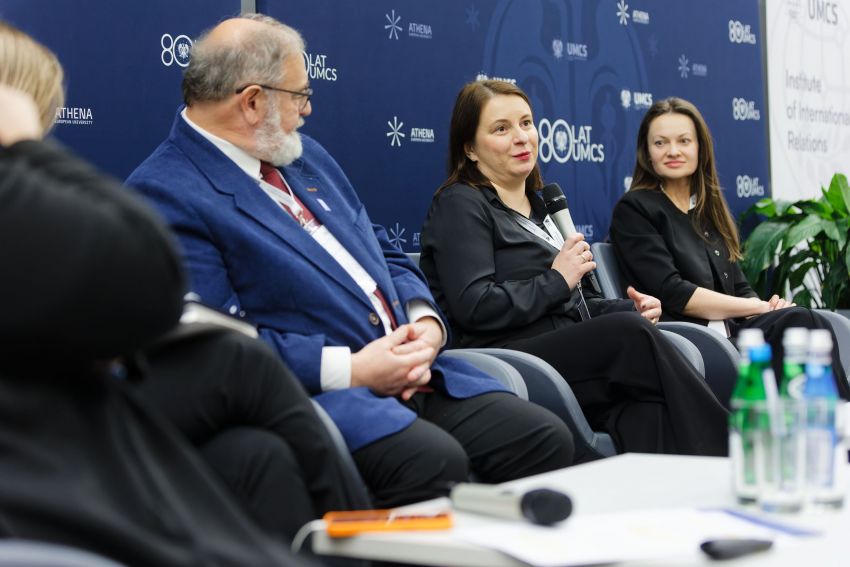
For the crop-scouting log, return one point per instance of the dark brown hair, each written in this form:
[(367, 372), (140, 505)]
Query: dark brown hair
[(710, 203), (465, 118)]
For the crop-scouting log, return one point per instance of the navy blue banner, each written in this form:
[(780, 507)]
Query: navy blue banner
[(386, 73), (123, 63)]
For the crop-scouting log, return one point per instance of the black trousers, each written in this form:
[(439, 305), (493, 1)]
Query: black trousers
[(496, 436), (255, 425), (634, 384), (774, 323)]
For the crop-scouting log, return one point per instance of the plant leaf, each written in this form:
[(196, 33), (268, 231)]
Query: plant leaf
[(838, 194), (809, 227), (821, 208), (761, 246), (804, 298)]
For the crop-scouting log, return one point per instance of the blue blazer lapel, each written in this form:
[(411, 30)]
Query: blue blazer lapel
[(355, 234), (248, 198)]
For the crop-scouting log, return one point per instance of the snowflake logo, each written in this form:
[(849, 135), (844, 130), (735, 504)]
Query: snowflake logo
[(397, 235), (393, 25), (683, 66), (623, 12), (472, 17), (395, 134)]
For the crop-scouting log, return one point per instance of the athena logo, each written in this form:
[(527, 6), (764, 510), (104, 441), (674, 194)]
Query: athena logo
[(743, 109), (393, 26), (563, 142), (623, 12), (175, 50), (397, 236), (395, 134)]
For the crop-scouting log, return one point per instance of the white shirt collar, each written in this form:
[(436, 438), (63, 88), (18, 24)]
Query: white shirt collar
[(245, 161)]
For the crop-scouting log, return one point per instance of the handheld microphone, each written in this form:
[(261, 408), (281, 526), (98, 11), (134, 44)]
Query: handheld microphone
[(556, 205), (539, 506)]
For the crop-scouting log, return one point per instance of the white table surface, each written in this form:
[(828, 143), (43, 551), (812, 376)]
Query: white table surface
[(624, 482)]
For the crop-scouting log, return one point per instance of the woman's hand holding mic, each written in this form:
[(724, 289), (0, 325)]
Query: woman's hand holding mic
[(574, 260)]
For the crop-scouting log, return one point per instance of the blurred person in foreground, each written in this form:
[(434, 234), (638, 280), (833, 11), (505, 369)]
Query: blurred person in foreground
[(91, 279), (507, 278), (674, 236)]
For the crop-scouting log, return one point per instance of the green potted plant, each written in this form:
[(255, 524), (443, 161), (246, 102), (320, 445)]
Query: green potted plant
[(802, 248)]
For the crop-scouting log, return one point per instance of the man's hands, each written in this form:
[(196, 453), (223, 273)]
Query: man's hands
[(649, 307), (18, 117), (398, 364)]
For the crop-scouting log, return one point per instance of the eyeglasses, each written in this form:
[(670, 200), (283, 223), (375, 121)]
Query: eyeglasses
[(302, 96)]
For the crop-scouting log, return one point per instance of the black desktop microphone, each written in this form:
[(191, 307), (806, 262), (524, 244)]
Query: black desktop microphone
[(539, 506), (556, 206)]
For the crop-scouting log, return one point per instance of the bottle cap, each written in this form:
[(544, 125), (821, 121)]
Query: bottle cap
[(795, 337), (760, 353), (749, 338), (820, 340)]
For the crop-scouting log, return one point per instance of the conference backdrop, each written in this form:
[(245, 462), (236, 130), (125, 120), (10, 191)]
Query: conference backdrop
[(386, 73), (809, 91)]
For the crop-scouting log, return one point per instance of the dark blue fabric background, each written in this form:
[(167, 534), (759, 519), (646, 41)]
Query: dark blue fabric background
[(384, 66)]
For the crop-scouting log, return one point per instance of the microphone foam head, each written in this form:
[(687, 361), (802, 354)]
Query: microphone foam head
[(553, 198), (546, 507)]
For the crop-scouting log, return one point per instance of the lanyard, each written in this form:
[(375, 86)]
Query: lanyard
[(552, 236)]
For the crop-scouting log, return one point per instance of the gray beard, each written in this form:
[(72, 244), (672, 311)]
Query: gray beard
[(273, 144)]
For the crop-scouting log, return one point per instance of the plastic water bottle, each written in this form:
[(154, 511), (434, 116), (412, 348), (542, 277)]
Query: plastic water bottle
[(795, 342), (749, 392), (825, 452)]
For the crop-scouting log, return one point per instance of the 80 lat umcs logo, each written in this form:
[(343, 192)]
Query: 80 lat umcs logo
[(563, 142), (175, 50)]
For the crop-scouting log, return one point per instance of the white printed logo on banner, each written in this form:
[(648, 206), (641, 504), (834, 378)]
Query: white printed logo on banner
[(318, 68), (425, 135), (74, 116), (623, 12), (175, 50), (586, 230), (686, 68), (393, 25), (743, 109), (557, 48), (640, 17), (627, 182), (395, 134), (484, 77), (397, 235), (741, 33), (419, 31), (640, 100), (749, 186), (563, 142)]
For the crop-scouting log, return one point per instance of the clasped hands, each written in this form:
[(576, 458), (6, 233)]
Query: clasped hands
[(398, 364)]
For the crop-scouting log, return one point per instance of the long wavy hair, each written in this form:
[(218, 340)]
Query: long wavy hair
[(465, 119), (710, 203)]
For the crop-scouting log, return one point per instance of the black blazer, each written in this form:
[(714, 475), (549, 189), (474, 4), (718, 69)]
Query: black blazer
[(661, 253), (491, 277)]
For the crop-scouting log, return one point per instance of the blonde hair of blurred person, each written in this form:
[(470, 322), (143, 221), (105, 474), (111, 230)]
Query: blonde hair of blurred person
[(32, 68)]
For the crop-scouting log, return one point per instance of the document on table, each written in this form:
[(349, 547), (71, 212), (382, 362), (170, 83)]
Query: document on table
[(612, 537)]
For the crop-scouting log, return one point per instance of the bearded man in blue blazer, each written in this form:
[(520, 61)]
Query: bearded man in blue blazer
[(272, 231)]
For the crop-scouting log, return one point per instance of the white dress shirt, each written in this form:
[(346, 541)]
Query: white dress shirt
[(336, 361)]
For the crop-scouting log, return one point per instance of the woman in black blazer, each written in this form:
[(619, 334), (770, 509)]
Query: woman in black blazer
[(504, 276), (674, 236)]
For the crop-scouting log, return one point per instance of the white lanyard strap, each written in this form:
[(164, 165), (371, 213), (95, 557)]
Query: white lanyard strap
[(552, 236)]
